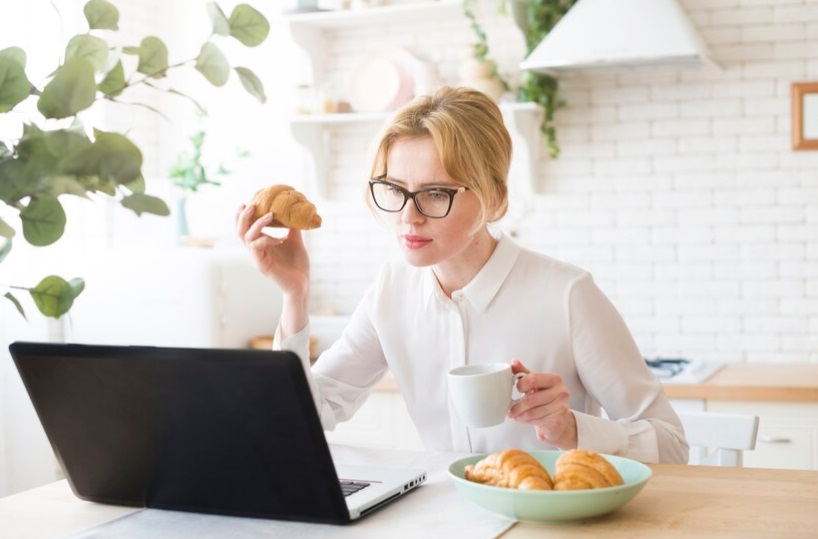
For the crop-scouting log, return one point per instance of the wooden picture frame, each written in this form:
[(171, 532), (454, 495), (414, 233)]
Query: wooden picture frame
[(805, 116)]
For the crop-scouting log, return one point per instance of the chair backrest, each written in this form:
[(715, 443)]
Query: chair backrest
[(719, 439)]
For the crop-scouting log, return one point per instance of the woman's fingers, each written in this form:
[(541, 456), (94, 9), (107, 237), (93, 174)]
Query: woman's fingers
[(538, 380), (255, 230), (541, 404)]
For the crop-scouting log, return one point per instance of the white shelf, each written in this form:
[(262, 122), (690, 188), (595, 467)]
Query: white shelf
[(312, 32), (403, 13)]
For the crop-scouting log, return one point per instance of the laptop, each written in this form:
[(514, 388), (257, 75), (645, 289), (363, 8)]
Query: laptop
[(222, 431)]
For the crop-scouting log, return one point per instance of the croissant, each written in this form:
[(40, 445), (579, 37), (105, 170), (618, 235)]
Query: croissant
[(511, 468), (290, 208), (579, 469)]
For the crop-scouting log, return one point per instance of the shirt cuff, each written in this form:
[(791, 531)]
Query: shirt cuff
[(297, 342), (635, 440)]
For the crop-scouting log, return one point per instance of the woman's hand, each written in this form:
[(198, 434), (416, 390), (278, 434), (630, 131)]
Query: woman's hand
[(545, 407), (285, 260)]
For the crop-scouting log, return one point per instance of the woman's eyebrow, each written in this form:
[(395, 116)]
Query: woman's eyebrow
[(426, 185)]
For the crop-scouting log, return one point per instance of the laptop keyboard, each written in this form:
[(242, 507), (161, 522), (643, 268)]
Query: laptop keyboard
[(351, 487)]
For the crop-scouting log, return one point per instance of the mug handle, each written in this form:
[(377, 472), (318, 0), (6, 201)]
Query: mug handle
[(514, 388)]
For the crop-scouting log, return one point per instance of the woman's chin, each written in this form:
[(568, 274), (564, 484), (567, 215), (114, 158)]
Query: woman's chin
[(418, 260)]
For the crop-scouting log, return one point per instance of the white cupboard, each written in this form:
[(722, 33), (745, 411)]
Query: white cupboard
[(319, 35), (787, 433)]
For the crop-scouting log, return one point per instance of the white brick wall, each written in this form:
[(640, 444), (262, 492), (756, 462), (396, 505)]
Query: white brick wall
[(677, 189)]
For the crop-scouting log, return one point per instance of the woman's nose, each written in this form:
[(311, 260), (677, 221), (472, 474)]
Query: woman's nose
[(410, 213)]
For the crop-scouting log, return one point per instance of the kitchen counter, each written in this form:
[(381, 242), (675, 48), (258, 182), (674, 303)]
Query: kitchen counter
[(734, 382), (754, 382)]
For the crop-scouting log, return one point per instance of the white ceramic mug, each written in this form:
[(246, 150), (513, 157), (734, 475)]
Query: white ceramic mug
[(482, 393)]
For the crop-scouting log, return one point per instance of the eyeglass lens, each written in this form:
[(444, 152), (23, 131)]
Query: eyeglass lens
[(432, 203)]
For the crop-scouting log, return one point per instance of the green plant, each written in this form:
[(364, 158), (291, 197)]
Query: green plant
[(189, 172), (58, 154), (535, 18), (481, 47)]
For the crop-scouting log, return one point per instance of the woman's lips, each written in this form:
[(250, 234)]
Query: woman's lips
[(410, 241)]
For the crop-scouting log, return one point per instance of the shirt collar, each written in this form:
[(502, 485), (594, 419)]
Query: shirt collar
[(485, 285)]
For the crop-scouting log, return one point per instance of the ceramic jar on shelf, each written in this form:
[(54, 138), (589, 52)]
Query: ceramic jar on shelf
[(479, 74)]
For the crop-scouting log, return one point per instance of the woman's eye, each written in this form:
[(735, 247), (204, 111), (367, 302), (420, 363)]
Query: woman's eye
[(392, 190), (437, 195)]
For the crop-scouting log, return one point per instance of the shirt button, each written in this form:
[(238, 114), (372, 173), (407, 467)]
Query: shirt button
[(457, 296)]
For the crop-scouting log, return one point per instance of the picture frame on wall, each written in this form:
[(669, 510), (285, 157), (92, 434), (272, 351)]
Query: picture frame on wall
[(805, 116)]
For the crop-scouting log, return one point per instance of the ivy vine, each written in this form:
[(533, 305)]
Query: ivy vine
[(535, 18)]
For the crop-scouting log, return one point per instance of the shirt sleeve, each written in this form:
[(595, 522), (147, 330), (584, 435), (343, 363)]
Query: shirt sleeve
[(343, 376), (641, 424)]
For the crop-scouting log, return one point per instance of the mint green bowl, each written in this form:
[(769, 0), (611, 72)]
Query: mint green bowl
[(552, 505)]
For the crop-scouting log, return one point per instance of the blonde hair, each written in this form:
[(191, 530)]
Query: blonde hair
[(471, 139)]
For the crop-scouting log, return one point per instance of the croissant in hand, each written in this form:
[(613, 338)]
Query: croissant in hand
[(290, 208), (511, 468)]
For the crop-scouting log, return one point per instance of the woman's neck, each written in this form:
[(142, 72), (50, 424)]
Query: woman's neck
[(458, 271)]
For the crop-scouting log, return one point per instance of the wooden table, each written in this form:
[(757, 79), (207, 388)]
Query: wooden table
[(703, 501), (678, 501)]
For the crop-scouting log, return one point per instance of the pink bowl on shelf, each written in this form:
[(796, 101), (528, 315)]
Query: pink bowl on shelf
[(383, 82)]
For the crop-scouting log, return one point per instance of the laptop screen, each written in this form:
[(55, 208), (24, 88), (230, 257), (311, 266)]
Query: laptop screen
[(207, 430)]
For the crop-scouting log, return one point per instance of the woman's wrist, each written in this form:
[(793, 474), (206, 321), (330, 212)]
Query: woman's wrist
[(295, 312)]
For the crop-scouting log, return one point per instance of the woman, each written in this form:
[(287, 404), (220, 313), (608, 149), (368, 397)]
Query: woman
[(466, 295)]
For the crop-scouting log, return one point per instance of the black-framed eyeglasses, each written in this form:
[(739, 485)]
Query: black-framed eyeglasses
[(435, 202)]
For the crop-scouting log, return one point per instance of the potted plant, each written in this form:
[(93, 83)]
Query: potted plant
[(60, 153), (534, 18), (189, 173)]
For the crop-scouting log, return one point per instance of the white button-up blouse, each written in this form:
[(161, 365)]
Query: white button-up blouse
[(522, 304)]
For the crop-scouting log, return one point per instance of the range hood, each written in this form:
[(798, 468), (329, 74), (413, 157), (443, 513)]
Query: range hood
[(600, 34)]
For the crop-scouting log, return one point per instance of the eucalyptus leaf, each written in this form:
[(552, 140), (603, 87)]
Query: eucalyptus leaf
[(153, 57), (5, 247), (14, 85), (248, 25), (92, 48), (77, 285), (251, 83), (14, 53), (137, 185), (221, 26), (213, 65), (114, 82), (12, 181), (9, 296), (120, 160), (63, 142), (106, 186), (140, 203), (54, 296), (72, 90), (7, 232), (68, 185), (43, 220), (101, 15)]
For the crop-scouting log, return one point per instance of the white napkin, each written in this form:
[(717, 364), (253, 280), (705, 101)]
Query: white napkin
[(435, 509)]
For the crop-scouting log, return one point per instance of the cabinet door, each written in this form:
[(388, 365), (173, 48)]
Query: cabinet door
[(784, 446), (787, 433)]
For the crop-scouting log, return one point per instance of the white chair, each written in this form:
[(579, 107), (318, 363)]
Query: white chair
[(719, 439)]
